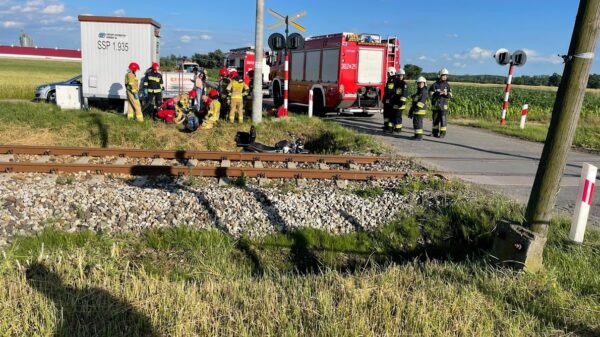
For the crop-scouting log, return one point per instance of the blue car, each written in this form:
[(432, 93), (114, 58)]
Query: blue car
[(47, 92)]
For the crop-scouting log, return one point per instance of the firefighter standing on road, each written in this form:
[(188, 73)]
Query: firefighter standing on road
[(399, 100), (419, 107), (132, 85), (237, 90), (388, 96), (440, 92), (155, 86)]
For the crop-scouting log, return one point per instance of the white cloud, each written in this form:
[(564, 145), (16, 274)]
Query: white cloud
[(477, 53), (185, 38), (12, 24), (29, 9), (534, 56), (119, 12), (54, 9), (452, 36), (67, 18), (459, 65), (35, 3), (205, 37), (425, 58)]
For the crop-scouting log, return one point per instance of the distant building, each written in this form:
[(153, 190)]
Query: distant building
[(25, 40), (40, 53)]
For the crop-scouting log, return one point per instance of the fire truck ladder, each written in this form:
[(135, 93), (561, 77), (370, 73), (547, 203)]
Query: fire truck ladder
[(391, 51)]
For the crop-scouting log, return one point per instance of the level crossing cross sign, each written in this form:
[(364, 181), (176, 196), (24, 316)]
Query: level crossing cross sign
[(287, 20)]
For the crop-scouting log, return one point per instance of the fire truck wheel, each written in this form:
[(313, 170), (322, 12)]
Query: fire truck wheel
[(277, 95), (318, 104)]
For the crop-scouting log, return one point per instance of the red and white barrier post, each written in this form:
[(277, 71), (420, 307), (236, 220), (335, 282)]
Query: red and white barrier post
[(310, 103), (524, 112), (584, 201), (286, 78), (511, 69)]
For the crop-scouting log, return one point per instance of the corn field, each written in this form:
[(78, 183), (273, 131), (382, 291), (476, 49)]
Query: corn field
[(485, 102)]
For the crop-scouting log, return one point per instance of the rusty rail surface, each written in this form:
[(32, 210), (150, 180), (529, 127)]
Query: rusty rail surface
[(189, 154), (148, 170)]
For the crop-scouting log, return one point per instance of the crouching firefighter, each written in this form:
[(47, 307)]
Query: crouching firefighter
[(419, 107), (388, 99), (399, 101), (440, 92), (214, 110)]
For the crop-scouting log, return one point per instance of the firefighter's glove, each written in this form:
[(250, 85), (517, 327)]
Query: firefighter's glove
[(136, 96), (145, 92)]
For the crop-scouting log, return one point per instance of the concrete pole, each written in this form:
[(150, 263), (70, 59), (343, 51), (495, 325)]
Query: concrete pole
[(257, 98), (565, 116)]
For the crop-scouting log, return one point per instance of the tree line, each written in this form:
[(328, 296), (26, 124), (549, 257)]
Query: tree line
[(213, 59), (414, 71)]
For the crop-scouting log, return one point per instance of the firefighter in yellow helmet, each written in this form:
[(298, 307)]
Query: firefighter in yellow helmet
[(214, 109), (132, 85), (237, 90)]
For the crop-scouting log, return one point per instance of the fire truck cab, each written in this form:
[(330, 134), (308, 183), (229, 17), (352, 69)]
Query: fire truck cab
[(346, 71), (242, 61)]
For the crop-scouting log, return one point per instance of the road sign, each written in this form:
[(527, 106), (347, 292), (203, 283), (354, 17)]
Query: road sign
[(502, 56), (287, 20), (519, 58)]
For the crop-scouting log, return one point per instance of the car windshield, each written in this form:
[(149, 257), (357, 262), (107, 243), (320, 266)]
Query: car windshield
[(76, 79)]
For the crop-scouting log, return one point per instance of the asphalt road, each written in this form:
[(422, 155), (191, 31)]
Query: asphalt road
[(496, 162)]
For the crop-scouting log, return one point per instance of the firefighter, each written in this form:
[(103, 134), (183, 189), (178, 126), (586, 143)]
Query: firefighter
[(223, 96), (388, 96), (440, 92), (399, 100), (153, 83), (214, 109), (184, 105), (237, 90), (419, 107), (133, 86)]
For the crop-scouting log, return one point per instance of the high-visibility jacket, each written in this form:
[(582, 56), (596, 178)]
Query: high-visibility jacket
[(401, 94), (419, 106), (154, 82), (214, 108), (132, 83), (389, 90), (440, 92), (237, 89)]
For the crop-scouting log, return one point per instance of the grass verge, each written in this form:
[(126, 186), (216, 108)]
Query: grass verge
[(423, 274), (587, 134), (29, 123)]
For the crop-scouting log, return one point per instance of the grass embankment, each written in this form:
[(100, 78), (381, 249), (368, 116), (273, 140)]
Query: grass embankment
[(18, 78), (28, 123), (422, 275)]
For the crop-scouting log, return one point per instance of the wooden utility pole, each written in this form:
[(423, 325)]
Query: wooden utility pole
[(523, 246), (565, 116), (257, 98)]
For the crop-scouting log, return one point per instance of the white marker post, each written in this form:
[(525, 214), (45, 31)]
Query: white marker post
[(524, 115), (310, 103), (584, 201)]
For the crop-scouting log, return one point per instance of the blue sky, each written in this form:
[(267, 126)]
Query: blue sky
[(458, 34)]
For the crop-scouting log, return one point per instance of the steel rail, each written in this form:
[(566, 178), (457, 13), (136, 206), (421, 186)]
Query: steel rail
[(189, 154), (149, 170)]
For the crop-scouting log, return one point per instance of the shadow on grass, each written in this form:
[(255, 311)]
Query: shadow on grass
[(102, 130), (88, 311)]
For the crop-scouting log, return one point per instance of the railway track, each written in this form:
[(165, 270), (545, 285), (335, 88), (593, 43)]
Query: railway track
[(51, 159)]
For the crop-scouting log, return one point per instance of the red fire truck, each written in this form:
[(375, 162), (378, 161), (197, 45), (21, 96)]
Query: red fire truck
[(242, 60), (347, 72)]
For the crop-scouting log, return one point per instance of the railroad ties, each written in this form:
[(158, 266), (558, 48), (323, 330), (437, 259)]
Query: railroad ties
[(44, 159)]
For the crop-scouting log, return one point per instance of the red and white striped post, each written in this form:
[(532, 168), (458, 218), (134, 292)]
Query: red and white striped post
[(310, 103), (286, 78), (524, 112), (584, 201), (507, 93)]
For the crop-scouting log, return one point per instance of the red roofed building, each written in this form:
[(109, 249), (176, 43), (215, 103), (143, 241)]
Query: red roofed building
[(40, 53)]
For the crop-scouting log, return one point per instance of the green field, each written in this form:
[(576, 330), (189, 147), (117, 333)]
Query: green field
[(19, 78), (424, 274)]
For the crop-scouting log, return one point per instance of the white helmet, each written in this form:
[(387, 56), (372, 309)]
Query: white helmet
[(391, 71), (421, 79), (444, 71), (401, 72)]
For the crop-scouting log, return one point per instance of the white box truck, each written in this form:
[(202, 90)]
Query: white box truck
[(108, 45)]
